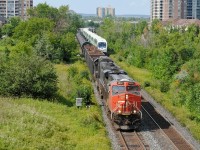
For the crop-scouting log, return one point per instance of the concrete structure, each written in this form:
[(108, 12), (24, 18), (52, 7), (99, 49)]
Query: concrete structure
[(10, 8), (107, 11), (176, 9)]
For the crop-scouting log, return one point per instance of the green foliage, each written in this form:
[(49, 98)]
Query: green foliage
[(85, 91), (43, 10), (47, 49), (7, 42), (72, 71), (84, 74), (21, 48), (170, 54), (68, 46), (75, 23), (45, 34), (92, 24), (164, 86), (32, 29), (24, 75), (156, 26), (64, 20), (193, 99), (137, 56), (147, 84), (8, 29), (193, 69), (81, 83), (39, 124), (140, 27)]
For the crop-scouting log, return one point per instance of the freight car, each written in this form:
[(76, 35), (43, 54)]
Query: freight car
[(121, 94)]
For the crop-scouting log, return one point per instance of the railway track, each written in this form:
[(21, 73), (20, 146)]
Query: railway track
[(161, 125), (132, 141), (170, 138)]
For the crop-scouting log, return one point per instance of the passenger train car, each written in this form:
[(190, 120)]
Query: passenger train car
[(94, 39)]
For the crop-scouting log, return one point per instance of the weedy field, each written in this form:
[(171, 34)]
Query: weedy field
[(28, 123)]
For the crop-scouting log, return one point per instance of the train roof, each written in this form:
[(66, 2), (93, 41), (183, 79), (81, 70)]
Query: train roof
[(121, 77), (95, 36)]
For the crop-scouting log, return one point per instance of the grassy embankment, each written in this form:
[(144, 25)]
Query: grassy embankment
[(27, 123), (165, 99)]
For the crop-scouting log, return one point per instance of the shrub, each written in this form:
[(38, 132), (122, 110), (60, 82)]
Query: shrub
[(85, 91), (84, 74), (72, 71), (29, 76), (146, 84), (164, 86), (194, 99)]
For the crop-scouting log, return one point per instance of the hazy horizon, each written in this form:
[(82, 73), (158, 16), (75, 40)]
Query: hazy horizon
[(130, 7)]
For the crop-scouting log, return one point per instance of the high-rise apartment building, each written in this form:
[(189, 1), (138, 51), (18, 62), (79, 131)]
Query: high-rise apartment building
[(101, 12), (156, 9), (192, 9), (107, 11), (10, 8), (175, 9)]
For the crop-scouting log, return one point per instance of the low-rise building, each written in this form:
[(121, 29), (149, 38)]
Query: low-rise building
[(180, 23)]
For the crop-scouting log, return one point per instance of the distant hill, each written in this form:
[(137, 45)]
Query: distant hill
[(125, 16)]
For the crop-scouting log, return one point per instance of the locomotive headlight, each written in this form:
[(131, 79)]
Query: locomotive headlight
[(119, 111), (134, 111), (126, 97)]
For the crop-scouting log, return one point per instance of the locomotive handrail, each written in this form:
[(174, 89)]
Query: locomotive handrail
[(139, 111)]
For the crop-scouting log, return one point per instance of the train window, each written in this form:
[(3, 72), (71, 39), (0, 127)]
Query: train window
[(102, 45), (118, 89), (134, 89)]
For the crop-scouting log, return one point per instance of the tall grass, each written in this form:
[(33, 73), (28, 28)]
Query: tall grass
[(39, 124)]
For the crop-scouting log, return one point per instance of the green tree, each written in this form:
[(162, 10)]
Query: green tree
[(43, 10), (140, 27), (8, 29), (45, 47), (33, 28), (156, 26), (25, 75), (193, 100), (68, 46)]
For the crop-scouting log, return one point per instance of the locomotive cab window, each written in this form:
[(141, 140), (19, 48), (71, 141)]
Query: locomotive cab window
[(102, 45), (118, 89), (133, 89)]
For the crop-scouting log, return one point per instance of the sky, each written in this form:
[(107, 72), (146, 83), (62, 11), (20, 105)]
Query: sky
[(122, 7)]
